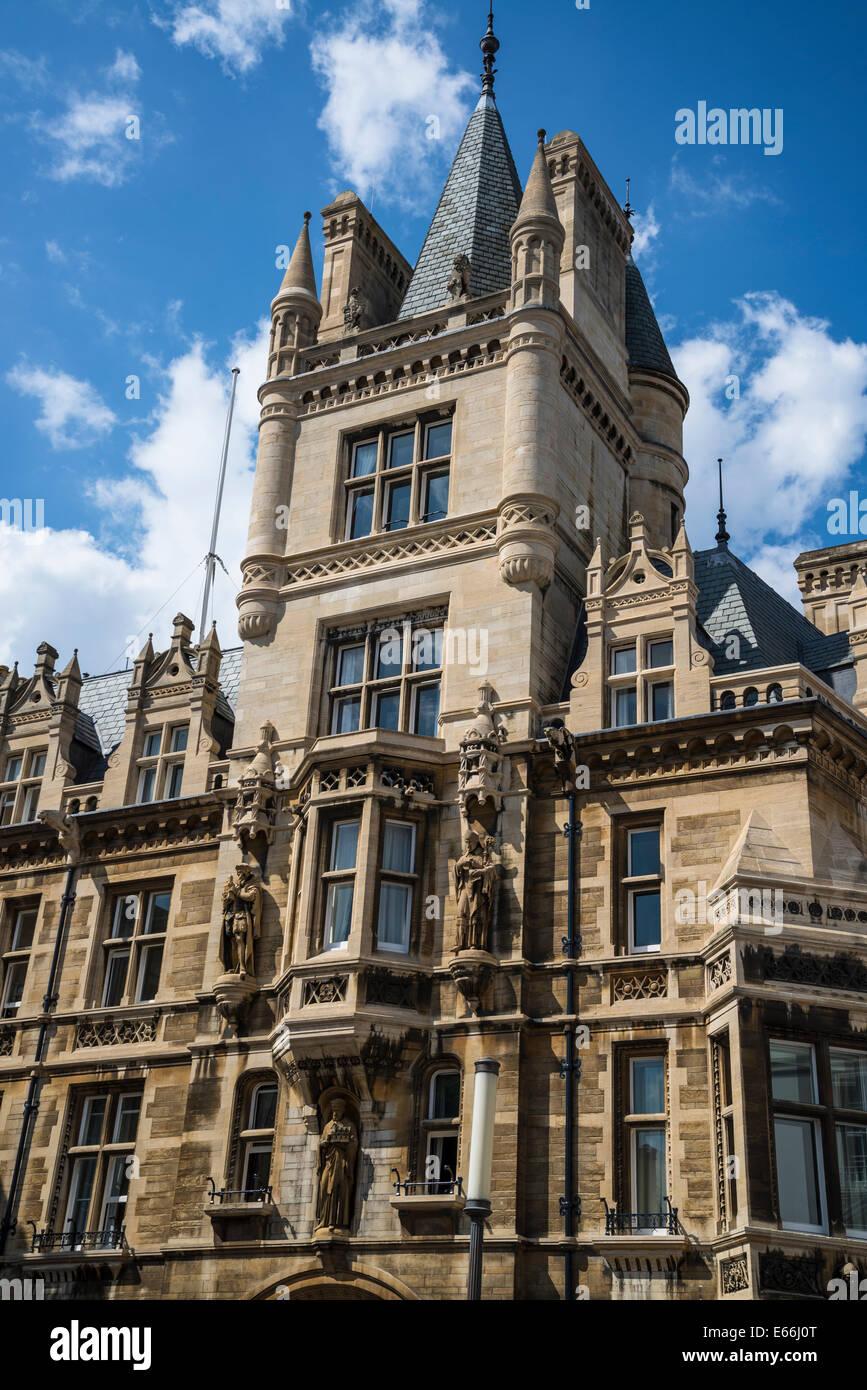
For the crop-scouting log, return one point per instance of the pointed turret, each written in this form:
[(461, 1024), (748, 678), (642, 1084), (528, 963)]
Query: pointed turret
[(537, 238), (296, 312), (69, 682)]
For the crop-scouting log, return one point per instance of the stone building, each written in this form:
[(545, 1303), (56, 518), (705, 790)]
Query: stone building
[(501, 769)]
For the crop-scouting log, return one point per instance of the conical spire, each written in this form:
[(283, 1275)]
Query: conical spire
[(300, 277), (538, 200)]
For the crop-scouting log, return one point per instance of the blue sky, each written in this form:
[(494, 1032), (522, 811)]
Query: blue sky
[(154, 256)]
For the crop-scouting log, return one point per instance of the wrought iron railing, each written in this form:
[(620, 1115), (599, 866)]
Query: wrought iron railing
[(430, 1187), (219, 1196), (112, 1238), (624, 1223)]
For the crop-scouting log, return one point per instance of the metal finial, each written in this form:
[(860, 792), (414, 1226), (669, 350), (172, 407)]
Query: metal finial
[(629, 209), (722, 535), (489, 45)]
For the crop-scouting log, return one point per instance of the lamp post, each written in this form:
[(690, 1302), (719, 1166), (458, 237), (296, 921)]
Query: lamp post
[(478, 1203)]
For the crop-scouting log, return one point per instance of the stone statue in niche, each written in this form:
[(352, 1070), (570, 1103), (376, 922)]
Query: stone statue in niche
[(458, 286), (475, 888), (338, 1148), (353, 310), (242, 921)]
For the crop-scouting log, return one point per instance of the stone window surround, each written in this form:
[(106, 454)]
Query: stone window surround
[(433, 1128), (163, 761), (627, 1123), (643, 679), (622, 822), (371, 812), (371, 686), (15, 955), (21, 794), (825, 1116), (104, 1151), (242, 1136), (416, 472), (133, 941)]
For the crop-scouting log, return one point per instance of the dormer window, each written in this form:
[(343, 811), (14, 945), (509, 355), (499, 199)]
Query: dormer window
[(398, 477), (161, 766), (641, 682), (22, 783)]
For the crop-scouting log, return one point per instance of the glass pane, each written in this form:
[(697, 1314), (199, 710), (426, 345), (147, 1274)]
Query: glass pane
[(149, 972), (124, 915), (339, 913), (648, 1086), (398, 506), (146, 784), (623, 661), (624, 708), (257, 1169), (92, 1119), (364, 460), (361, 513), (37, 764), (152, 744), (394, 908), (427, 708), (646, 930), (347, 715), (650, 1170), (388, 711), (662, 701), (80, 1191), (13, 987), (350, 665), (115, 978), (439, 441), (849, 1079), (158, 912), (852, 1156), (442, 1162), (661, 654), (264, 1108), (436, 502), (446, 1100), (401, 449), (397, 849), (427, 649), (115, 1193), (643, 852), (22, 936), (389, 654), (31, 801), (796, 1172), (13, 768), (7, 808), (792, 1072), (344, 845), (179, 740), (126, 1120), (176, 781)]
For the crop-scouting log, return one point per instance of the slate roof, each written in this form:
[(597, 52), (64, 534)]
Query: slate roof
[(475, 213), (734, 601), (645, 344), (102, 703)]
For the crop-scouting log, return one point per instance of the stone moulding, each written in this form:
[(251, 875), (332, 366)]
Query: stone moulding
[(653, 985), (734, 1274), (796, 967), (337, 562), (719, 972), (7, 1041), (116, 1032), (791, 1274)]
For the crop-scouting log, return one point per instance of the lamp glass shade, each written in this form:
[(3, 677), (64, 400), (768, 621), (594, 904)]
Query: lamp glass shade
[(482, 1136)]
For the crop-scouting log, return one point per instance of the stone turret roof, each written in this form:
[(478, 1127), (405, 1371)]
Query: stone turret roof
[(645, 344), (477, 208)]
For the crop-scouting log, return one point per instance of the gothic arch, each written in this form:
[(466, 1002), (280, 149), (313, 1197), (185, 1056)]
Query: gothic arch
[(358, 1281)]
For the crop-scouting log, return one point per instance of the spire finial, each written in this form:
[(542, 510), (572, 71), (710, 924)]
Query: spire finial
[(489, 45), (629, 209), (722, 535)]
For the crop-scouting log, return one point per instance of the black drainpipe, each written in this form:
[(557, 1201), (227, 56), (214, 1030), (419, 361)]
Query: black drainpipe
[(31, 1106), (570, 1203)]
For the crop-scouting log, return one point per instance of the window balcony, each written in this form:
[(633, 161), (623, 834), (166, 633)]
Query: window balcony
[(112, 1238), (429, 1207)]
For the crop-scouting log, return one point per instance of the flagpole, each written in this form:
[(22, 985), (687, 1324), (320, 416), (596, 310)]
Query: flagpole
[(212, 557)]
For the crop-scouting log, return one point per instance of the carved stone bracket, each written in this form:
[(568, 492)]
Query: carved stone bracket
[(234, 995), (472, 972)]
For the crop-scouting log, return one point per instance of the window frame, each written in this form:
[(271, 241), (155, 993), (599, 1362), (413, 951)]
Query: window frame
[(136, 944), (386, 475), (15, 959), (644, 680), (408, 880), (633, 1123), (437, 1128), (331, 878), (161, 765), (404, 682), (636, 885), (103, 1152)]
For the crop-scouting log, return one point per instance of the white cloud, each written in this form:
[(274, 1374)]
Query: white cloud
[(235, 31), (98, 592), (783, 402), (389, 89), (94, 137), (73, 414), (29, 73), (719, 192), (55, 252), (647, 230)]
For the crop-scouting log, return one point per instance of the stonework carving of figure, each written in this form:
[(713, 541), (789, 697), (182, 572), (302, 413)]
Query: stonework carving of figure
[(475, 887), (242, 920), (338, 1147), (459, 280), (353, 310)]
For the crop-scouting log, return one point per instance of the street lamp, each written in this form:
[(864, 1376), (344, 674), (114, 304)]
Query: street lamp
[(478, 1203)]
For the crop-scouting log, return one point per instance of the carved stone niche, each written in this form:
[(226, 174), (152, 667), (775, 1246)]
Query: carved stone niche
[(256, 805), (336, 1165), (239, 931), (480, 778)]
